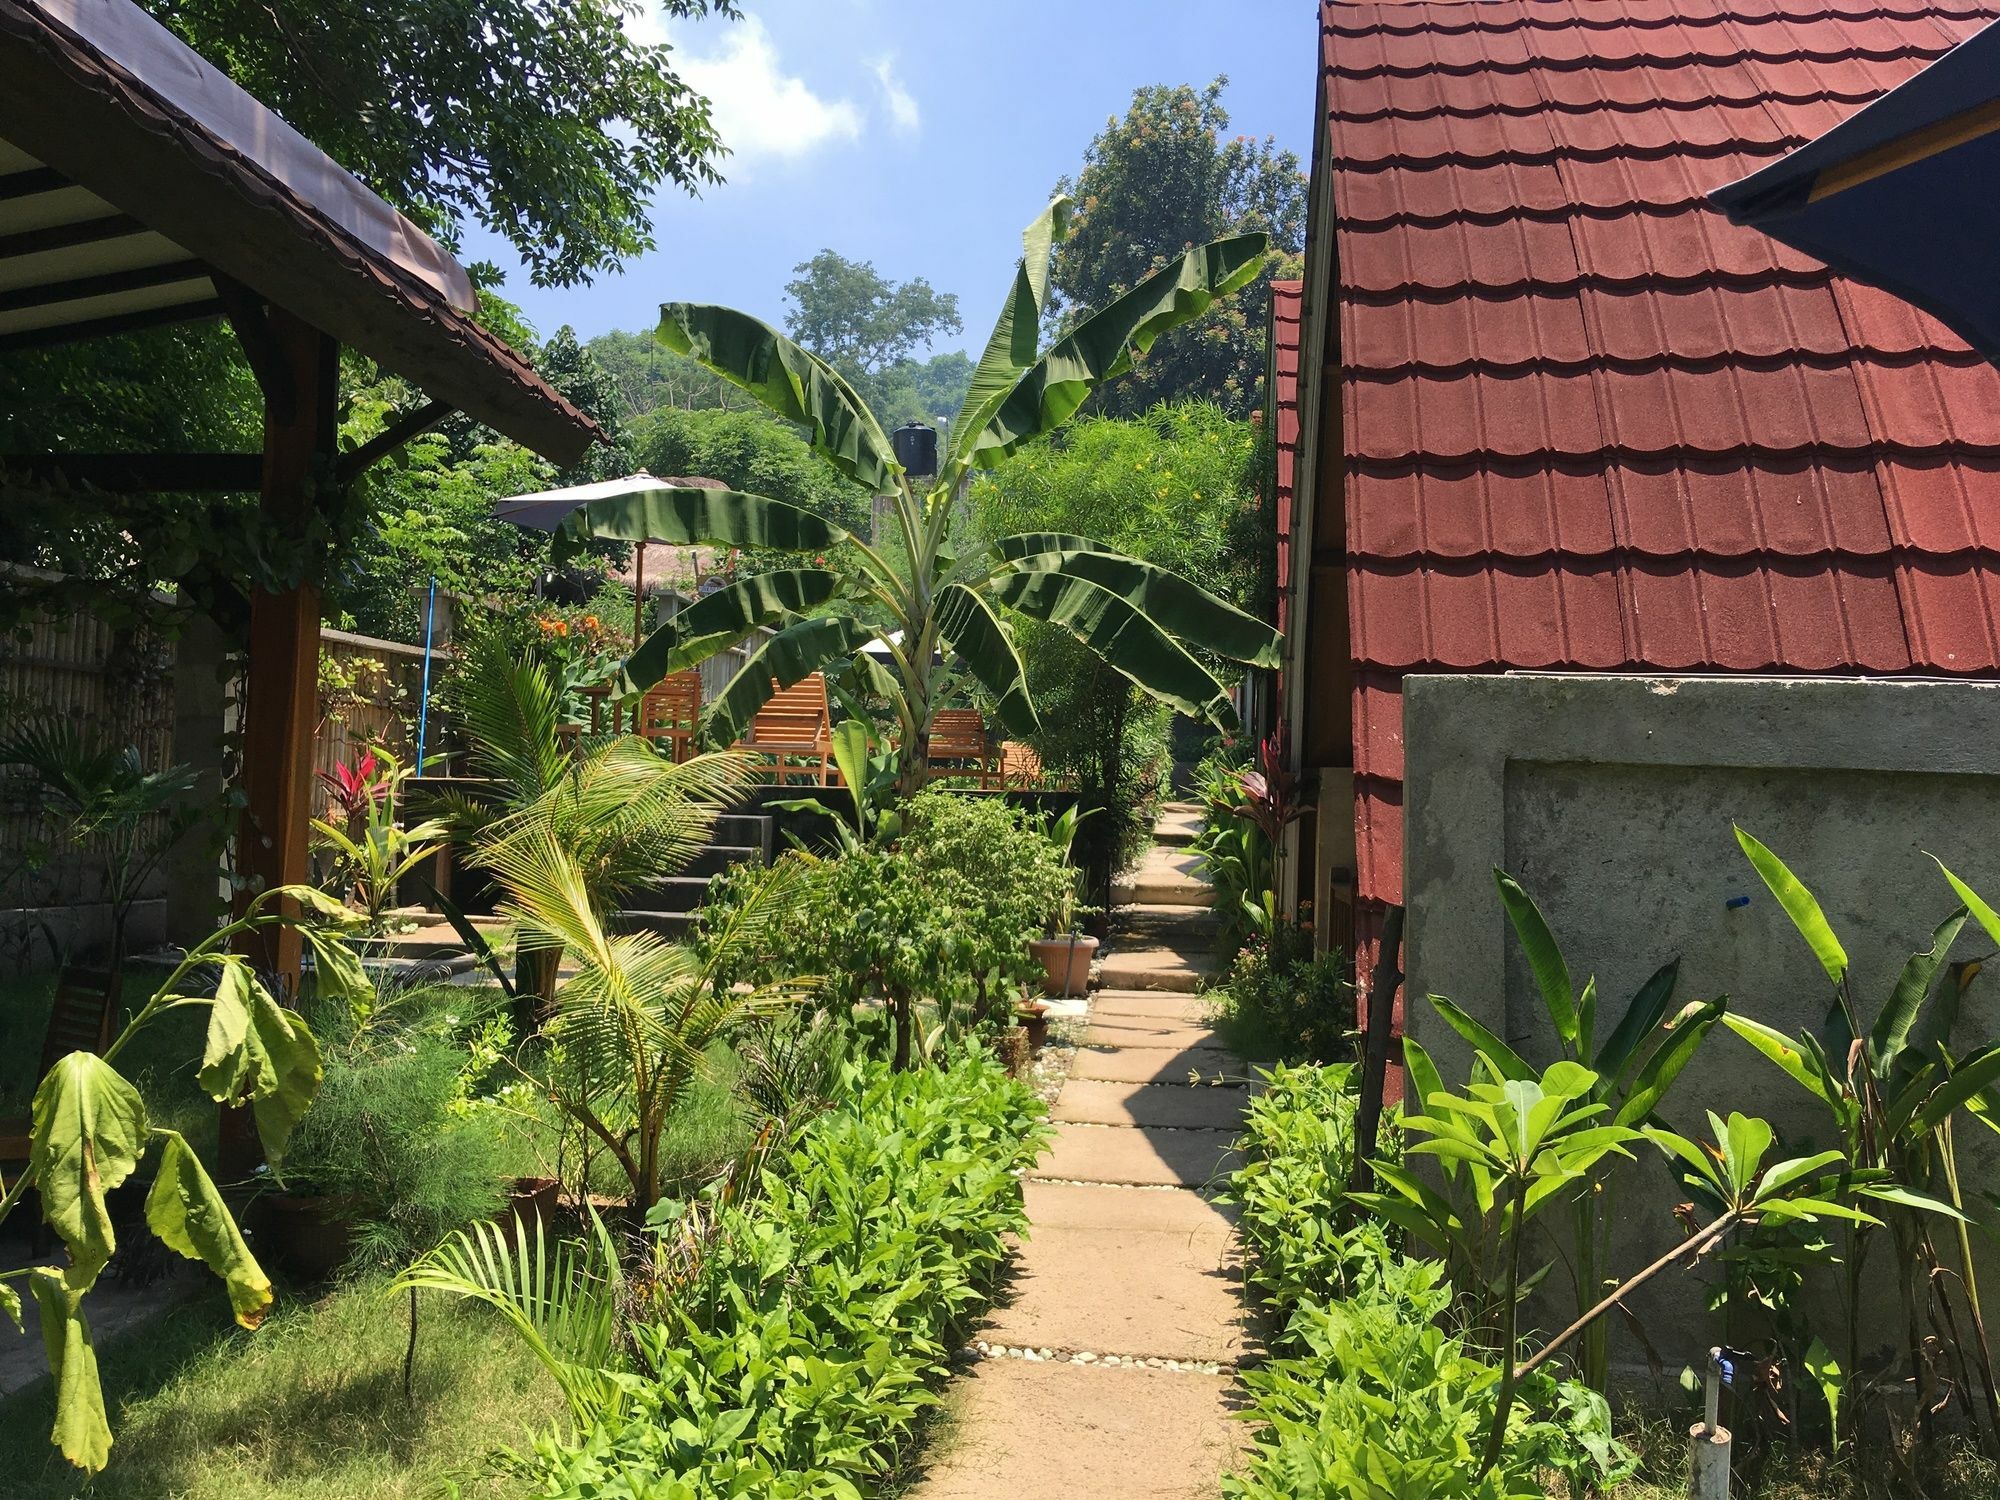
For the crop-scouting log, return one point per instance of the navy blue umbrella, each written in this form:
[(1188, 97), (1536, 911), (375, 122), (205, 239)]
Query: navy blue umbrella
[(1904, 194)]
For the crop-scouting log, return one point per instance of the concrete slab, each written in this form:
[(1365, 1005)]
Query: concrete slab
[(1083, 1205), (1154, 1158), (1165, 877), (1062, 1431), (1088, 1101), (1184, 972), (1166, 923), (1144, 1031), (1150, 1004), (1178, 1294), (1157, 1065), (1178, 826)]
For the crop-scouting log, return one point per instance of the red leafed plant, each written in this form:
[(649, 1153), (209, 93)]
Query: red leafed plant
[(1270, 791), (351, 791)]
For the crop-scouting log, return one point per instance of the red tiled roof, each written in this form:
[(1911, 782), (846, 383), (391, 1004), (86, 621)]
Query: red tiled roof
[(1287, 304), (1587, 422)]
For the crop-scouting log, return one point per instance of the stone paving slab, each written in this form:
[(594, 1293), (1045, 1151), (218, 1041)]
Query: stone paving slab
[(1090, 1101), (1165, 877), (1084, 1205), (1171, 969), (1179, 1292), (1156, 1064), (1082, 1432), (1146, 1031), (1165, 1158), (1150, 1004)]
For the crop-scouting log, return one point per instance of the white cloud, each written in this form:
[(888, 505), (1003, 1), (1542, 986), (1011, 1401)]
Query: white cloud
[(895, 98), (760, 110)]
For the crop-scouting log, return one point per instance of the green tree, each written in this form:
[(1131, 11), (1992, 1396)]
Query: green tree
[(1169, 487), (749, 450), (542, 120), (1166, 176), (869, 329), (648, 377), (936, 603)]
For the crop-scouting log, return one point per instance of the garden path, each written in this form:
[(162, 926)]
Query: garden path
[(1109, 1370)]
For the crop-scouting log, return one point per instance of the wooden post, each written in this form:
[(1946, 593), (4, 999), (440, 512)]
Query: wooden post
[(1388, 976), (281, 695)]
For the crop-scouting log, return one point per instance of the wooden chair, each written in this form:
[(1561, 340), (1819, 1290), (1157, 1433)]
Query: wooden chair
[(794, 725), (80, 1020), (958, 746), (671, 711), (1019, 766)]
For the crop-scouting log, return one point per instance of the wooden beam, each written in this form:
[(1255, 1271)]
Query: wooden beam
[(251, 321), (91, 328), (31, 182), (140, 473), (397, 431), (103, 284), (69, 236)]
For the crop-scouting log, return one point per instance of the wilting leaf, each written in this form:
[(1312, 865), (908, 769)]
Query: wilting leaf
[(186, 1212), (89, 1133), (259, 1054), (82, 1432)]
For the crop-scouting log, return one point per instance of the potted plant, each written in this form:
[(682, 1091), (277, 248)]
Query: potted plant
[(1065, 954)]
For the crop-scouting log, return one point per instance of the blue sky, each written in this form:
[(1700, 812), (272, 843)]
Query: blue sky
[(918, 136)]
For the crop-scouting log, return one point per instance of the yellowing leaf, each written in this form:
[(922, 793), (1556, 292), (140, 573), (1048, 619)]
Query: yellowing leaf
[(82, 1432), (188, 1214), (259, 1054), (89, 1131)]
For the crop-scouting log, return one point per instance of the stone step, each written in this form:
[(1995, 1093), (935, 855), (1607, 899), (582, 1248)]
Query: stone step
[(1141, 1031), (1171, 925), (1152, 1158), (671, 925), (1171, 969), (716, 858), (1062, 1431), (671, 893), (1086, 1101), (1177, 1065), (1180, 824), (757, 830), (1150, 1005), (1164, 877), (433, 938), (1141, 1277)]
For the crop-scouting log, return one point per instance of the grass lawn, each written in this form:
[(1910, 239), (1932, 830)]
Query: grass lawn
[(311, 1405)]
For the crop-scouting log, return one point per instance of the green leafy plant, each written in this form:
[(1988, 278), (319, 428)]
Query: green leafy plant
[(1892, 1088), (90, 1132), (372, 849), (99, 796), (1287, 992), (930, 601), (1635, 1064)]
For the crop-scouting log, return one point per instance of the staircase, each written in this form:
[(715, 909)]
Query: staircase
[(668, 906), (1163, 924)]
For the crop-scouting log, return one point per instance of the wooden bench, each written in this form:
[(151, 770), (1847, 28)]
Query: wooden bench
[(80, 1020), (794, 725), (1019, 767)]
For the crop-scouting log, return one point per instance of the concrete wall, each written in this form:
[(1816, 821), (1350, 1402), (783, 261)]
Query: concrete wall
[(1611, 800)]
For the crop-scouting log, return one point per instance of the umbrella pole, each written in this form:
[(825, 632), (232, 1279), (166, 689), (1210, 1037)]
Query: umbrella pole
[(638, 595)]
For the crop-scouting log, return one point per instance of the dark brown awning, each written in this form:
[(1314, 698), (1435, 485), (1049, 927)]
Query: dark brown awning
[(140, 186)]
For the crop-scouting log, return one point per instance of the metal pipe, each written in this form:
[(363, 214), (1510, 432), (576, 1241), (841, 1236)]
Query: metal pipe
[(424, 702), (1708, 1439)]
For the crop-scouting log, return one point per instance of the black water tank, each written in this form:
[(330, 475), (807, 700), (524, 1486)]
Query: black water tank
[(916, 449)]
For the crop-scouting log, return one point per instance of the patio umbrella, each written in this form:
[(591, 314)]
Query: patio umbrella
[(1903, 194), (546, 510)]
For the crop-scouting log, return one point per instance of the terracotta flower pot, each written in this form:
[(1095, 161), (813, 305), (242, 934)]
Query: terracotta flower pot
[(309, 1236), (1065, 962), (532, 1199)]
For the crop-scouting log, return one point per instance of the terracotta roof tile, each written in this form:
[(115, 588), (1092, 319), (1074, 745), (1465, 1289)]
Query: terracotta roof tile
[(1588, 424)]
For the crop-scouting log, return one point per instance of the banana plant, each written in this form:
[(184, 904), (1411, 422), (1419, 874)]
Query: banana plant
[(932, 611), (89, 1131), (1892, 1089), (1634, 1065)]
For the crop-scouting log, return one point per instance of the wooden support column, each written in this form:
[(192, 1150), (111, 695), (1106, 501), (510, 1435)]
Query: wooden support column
[(299, 369)]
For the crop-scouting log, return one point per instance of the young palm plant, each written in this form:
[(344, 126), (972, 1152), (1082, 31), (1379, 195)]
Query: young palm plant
[(922, 602), (630, 1028)]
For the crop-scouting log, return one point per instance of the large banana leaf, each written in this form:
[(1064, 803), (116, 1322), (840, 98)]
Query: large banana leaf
[(797, 385), (1016, 338), (1102, 345), (725, 518), (1182, 609), (791, 655), (1124, 638), (970, 628), (723, 618)]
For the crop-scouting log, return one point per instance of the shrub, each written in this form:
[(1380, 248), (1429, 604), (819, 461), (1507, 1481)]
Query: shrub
[(1301, 1002), (801, 1353), (1374, 1391)]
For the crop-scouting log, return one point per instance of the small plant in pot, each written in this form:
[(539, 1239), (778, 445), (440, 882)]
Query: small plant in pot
[(1066, 953), (397, 1152)]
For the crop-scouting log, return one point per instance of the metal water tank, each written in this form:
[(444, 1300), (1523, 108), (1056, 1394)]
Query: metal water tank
[(916, 449)]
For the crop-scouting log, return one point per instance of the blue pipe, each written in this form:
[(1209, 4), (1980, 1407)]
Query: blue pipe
[(424, 703)]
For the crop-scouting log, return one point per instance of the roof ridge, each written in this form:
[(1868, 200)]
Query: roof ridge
[(1650, 62), (1790, 358), (1626, 455), (1612, 15)]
